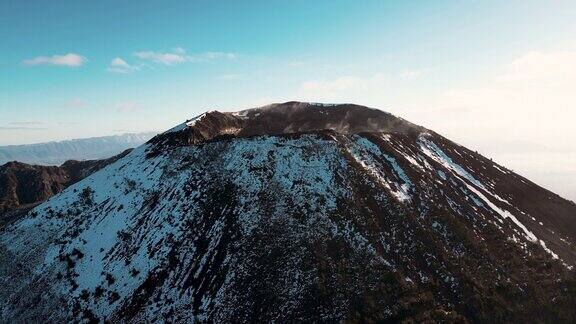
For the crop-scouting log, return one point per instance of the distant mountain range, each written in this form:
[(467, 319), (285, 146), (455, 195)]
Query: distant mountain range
[(56, 153)]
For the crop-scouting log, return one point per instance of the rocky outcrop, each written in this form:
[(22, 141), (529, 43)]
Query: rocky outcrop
[(23, 186)]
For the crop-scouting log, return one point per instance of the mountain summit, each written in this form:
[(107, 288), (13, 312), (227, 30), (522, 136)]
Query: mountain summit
[(287, 118), (294, 212)]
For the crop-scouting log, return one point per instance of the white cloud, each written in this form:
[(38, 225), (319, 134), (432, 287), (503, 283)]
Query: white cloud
[(70, 60), (13, 128), (118, 62), (161, 58), (24, 125), (413, 74), (349, 88), (211, 56), (296, 63), (557, 68), (178, 55), (373, 89), (27, 123), (128, 106), (76, 103), (118, 65), (179, 50), (530, 100), (229, 77), (533, 96)]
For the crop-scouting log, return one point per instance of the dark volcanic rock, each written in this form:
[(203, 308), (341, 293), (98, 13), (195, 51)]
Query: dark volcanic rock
[(298, 117), (22, 186), (295, 213), (287, 118)]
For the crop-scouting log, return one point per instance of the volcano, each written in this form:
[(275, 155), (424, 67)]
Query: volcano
[(294, 212)]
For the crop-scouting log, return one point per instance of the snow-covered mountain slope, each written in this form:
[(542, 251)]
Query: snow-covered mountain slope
[(294, 212), (56, 153)]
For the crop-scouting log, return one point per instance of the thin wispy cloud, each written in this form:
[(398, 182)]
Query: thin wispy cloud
[(521, 114), (27, 123), (343, 88), (554, 68), (296, 63), (69, 60), (128, 106), (76, 104), (211, 56), (24, 125), (178, 55), (178, 50), (229, 77), (135, 131), (533, 84), (161, 58), (67, 123), (413, 74), (119, 65), (10, 128)]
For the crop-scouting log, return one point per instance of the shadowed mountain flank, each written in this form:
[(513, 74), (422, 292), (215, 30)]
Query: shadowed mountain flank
[(23, 186)]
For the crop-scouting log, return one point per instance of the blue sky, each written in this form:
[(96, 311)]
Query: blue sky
[(484, 73)]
